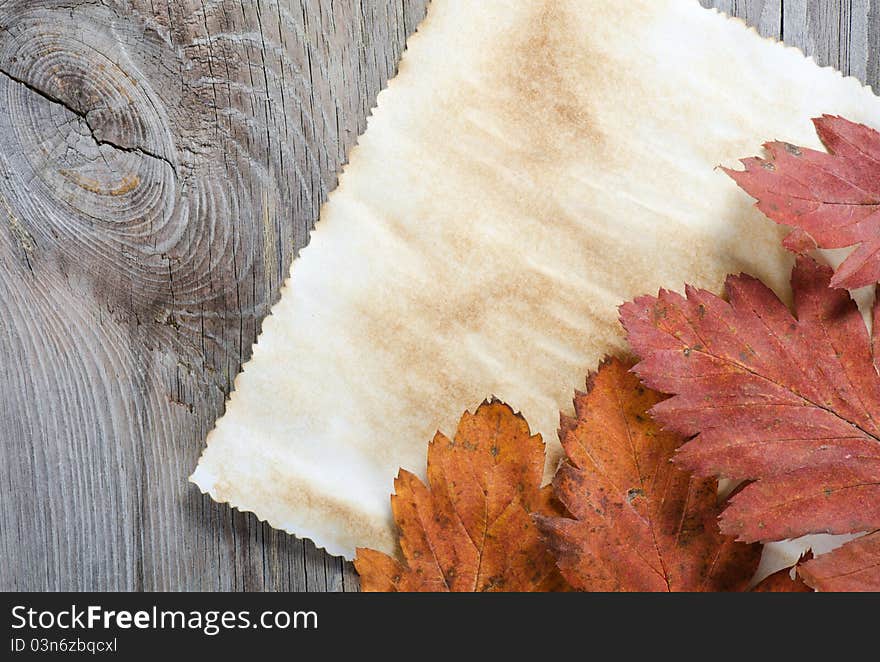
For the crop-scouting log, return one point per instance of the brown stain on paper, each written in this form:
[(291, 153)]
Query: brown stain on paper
[(546, 70), (536, 87)]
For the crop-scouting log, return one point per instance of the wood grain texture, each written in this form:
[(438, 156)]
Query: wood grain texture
[(160, 165)]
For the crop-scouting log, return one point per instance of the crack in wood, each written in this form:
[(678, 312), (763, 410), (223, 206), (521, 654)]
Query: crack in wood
[(84, 116)]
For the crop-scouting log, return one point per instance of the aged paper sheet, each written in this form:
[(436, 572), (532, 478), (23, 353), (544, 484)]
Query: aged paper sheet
[(532, 166)]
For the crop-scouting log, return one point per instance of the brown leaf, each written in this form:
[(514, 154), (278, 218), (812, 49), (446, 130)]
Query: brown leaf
[(782, 581), (472, 529), (639, 523), (791, 402)]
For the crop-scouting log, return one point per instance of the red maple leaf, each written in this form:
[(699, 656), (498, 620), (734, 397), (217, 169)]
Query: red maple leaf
[(792, 403), (853, 567), (831, 199)]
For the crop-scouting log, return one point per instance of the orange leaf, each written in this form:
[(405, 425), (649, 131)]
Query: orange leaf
[(639, 522), (783, 582), (472, 529)]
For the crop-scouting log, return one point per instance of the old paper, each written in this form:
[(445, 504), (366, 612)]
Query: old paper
[(532, 166)]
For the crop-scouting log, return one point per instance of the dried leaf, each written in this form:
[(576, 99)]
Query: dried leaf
[(782, 582), (640, 523), (793, 403), (472, 529), (832, 200), (787, 580), (852, 567)]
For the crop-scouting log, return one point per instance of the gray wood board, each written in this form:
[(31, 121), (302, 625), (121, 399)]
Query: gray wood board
[(161, 163)]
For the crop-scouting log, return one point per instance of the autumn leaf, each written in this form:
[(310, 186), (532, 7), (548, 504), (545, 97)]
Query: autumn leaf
[(792, 403), (831, 199), (472, 529), (782, 582), (639, 522), (787, 580), (852, 567)]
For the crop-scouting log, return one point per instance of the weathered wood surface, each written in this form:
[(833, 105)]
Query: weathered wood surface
[(161, 162)]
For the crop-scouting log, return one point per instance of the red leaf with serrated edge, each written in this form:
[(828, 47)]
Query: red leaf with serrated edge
[(638, 522), (790, 402), (831, 199), (852, 567)]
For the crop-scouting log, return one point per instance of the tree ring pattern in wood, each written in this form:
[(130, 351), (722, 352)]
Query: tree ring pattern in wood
[(112, 157), (89, 138)]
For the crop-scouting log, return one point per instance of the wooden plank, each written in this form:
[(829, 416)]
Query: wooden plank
[(764, 15), (844, 34), (834, 34), (872, 67), (160, 165)]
